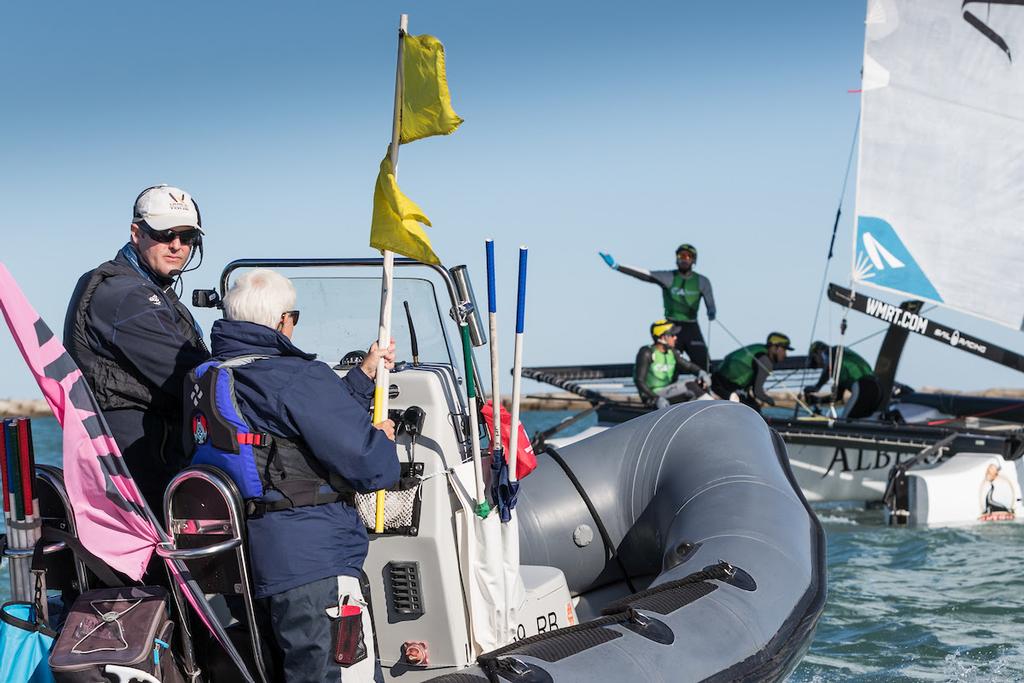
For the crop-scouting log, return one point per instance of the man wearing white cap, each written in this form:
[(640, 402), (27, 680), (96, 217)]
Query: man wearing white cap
[(135, 341)]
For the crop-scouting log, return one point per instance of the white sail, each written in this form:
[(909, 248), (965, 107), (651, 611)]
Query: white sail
[(940, 184)]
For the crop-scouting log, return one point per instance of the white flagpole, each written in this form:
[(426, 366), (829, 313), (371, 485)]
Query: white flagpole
[(34, 520), (380, 395), (517, 367), (492, 320), (515, 593)]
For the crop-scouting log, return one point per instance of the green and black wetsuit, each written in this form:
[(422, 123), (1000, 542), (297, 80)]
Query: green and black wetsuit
[(654, 370), (681, 295), (745, 369), (856, 376)]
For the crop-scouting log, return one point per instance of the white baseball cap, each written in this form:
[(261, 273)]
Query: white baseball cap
[(163, 207)]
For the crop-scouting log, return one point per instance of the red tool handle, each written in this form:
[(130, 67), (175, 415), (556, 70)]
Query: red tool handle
[(27, 476)]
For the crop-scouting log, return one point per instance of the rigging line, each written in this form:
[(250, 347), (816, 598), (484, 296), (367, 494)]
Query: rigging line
[(789, 375), (707, 348), (986, 413), (835, 226)]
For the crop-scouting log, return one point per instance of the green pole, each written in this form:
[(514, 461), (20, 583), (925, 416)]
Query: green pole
[(483, 508)]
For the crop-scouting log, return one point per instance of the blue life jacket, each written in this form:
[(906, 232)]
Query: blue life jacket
[(271, 472)]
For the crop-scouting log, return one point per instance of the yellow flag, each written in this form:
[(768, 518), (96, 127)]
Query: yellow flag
[(396, 220), (426, 103)]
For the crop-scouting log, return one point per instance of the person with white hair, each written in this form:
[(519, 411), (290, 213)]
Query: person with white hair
[(312, 446)]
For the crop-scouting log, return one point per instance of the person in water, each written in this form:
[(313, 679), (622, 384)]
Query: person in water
[(306, 559), (742, 373), (135, 341), (681, 290), (659, 365), (855, 376)]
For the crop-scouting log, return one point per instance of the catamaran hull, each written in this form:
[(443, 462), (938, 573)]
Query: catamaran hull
[(970, 488), (851, 461), (841, 473), (668, 502)]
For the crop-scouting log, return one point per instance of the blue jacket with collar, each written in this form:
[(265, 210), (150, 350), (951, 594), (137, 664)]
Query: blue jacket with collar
[(135, 343), (291, 394)]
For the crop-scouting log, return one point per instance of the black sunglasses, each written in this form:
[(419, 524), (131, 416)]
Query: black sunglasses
[(294, 315), (189, 237)]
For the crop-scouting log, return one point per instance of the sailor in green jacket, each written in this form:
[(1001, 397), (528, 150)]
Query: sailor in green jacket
[(681, 291), (659, 365), (855, 375), (742, 374)]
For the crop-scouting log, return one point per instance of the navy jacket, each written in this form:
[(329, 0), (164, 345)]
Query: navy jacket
[(135, 342), (295, 396)]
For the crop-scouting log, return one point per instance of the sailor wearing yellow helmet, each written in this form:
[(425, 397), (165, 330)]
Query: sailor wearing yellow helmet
[(742, 373), (659, 365)]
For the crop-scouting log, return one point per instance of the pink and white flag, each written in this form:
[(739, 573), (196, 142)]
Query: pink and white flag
[(111, 516), (109, 510)]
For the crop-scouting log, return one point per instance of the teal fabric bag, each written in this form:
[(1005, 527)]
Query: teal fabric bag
[(25, 642)]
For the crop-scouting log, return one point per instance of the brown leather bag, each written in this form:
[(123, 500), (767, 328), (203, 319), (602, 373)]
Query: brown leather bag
[(110, 628)]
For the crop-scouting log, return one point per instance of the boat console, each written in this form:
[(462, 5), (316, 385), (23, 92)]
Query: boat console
[(417, 574)]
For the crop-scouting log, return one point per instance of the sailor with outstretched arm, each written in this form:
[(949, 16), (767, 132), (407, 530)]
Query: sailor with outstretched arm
[(682, 290)]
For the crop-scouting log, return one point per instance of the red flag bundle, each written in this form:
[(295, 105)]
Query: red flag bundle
[(526, 459)]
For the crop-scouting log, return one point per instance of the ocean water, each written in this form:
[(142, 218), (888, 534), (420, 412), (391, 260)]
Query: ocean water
[(944, 604)]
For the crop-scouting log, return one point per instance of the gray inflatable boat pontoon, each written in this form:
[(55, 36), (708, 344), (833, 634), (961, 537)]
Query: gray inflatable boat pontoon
[(697, 509)]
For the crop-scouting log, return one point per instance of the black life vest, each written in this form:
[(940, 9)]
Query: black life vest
[(272, 472), (118, 384)]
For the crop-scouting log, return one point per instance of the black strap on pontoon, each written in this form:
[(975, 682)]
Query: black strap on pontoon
[(648, 599), (502, 665), (609, 546)]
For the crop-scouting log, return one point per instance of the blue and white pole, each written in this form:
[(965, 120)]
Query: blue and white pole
[(517, 367)]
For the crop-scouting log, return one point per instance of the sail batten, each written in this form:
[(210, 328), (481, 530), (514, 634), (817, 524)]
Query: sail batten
[(940, 183)]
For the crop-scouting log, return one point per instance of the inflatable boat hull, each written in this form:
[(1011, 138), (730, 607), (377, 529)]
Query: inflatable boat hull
[(689, 546)]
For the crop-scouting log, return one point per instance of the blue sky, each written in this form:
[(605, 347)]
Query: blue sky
[(589, 126)]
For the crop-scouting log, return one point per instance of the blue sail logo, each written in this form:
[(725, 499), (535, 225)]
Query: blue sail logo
[(884, 261)]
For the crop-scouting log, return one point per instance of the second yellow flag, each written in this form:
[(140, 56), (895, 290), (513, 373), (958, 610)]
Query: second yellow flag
[(396, 220)]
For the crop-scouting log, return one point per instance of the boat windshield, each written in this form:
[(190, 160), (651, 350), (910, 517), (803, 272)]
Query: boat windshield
[(341, 313)]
